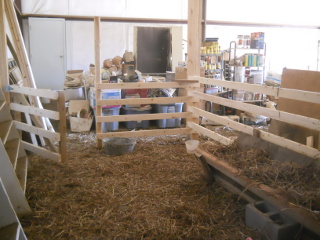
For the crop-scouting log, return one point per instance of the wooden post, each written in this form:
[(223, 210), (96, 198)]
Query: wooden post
[(4, 74), (194, 45), (62, 126), (204, 22), (97, 76)]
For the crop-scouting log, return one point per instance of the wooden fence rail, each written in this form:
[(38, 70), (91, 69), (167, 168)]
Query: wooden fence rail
[(306, 96)]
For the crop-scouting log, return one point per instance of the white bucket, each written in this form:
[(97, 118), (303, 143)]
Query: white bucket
[(191, 145), (239, 74)]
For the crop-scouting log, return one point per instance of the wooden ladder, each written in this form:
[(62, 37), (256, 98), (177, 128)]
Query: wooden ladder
[(10, 227), (13, 170)]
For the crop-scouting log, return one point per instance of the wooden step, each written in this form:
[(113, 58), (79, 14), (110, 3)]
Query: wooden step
[(12, 149), (2, 103), (21, 171), (5, 129), (10, 232), (5, 113)]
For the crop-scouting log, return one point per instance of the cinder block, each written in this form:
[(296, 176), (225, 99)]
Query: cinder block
[(271, 223)]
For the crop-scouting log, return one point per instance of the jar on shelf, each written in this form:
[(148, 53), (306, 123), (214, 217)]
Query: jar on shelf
[(246, 41), (240, 41)]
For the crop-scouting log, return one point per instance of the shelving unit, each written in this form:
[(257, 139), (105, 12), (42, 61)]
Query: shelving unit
[(215, 72), (258, 64)]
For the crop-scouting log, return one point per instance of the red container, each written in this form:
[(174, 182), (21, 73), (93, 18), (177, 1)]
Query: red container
[(142, 92)]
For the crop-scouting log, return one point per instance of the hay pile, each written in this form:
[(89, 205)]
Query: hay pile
[(157, 192), (299, 184)]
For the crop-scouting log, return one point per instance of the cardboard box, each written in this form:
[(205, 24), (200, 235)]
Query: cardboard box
[(79, 123), (74, 94)]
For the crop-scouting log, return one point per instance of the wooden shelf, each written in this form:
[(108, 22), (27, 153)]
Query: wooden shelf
[(21, 171), (12, 148), (5, 129), (10, 232)]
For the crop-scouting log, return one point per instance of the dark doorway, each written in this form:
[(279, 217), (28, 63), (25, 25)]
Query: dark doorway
[(153, 50)]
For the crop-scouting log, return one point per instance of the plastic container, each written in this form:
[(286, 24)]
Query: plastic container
[(105, 94), (169, 108), (110, 126), (136, 124), (191, 145), (239, 74), (117, 146)]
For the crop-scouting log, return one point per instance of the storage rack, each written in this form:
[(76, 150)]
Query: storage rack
[(233, 49), (217, 72)]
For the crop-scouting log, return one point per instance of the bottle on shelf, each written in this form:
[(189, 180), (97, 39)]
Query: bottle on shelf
[(240, 41)]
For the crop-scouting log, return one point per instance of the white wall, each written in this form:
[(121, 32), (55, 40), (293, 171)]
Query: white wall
[(170, 9), (286, 47)]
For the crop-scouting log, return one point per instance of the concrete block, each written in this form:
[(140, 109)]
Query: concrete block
[(271, 223)]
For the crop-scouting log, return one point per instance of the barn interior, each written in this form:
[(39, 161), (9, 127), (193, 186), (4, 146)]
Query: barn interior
[(200, 120)]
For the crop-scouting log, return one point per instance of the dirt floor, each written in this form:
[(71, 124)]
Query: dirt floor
[(156, 192)]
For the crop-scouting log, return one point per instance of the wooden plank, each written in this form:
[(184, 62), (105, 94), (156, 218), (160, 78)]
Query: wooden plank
[(19, 46), (268, 112), (159, 100), (12, 148), (146, 133), (62, 127), (211, 134), (35, 111), (289, 144), (21, 171), (97, 60), (268, 90), (140, 117), (5, 129), (143, 85), (2, 103), (4, 73), (41, 151), (306, 96), (36, 130), (32, 135), (35, 92), (226, 122), (310, 141)]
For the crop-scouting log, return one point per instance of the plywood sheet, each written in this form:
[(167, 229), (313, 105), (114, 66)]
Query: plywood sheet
[(301, 80)]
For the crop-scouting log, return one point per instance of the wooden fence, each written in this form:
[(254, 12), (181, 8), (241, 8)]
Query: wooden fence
[(195, 112), (49, 150)]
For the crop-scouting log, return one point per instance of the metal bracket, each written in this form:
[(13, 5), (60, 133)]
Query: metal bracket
[(8, 88)]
